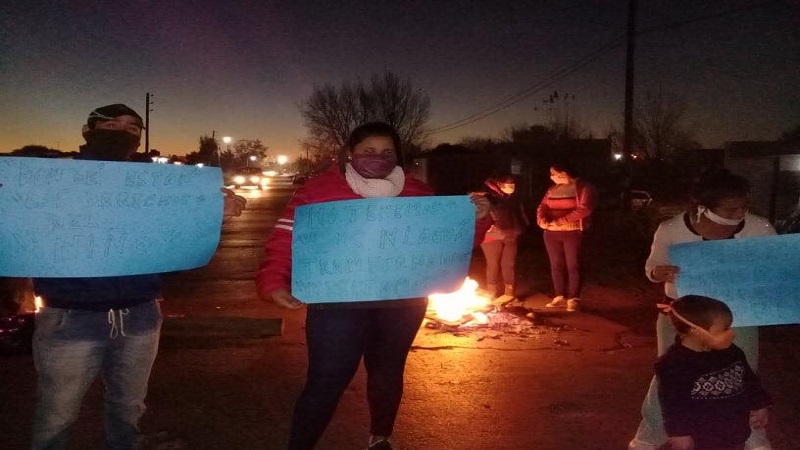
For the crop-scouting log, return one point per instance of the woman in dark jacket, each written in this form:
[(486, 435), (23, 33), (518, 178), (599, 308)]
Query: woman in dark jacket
[(499, 244)]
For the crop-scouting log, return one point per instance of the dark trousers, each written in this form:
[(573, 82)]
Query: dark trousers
[(564, 249), (337, 340), (501, 256)]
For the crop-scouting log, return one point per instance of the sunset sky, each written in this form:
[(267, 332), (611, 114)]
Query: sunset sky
[(241, 68)]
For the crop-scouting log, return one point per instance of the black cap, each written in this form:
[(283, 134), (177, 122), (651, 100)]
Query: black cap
[(108, 112)]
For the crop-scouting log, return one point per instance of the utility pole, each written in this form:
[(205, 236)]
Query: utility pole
[(147, 104), (627, 145)]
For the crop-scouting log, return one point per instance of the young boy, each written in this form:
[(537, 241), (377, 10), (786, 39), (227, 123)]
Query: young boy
[(710, 397)]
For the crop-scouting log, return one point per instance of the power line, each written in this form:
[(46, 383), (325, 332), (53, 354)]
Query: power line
[(525, 93), (569, 70)]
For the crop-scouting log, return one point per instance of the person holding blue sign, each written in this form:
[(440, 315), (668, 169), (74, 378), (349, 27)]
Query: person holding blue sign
[(340, 334), (709, 394), (720, 211), (99, 325)]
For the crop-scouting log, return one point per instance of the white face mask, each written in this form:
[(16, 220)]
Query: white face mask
[(717, 219), (716, 341), (507, 188)]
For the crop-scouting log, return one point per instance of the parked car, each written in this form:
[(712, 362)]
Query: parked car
[(640, 199), (248, 177)]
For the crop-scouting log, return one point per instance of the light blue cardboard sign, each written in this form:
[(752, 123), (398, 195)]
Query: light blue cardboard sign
[(74, 218), (381, 248), (759, 277)]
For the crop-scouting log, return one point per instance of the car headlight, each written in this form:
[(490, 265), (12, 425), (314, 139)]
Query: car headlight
[(238, 179), (254, 179)]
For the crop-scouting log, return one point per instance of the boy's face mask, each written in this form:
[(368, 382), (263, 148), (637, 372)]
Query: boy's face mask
[(719, 335), (716, 337)]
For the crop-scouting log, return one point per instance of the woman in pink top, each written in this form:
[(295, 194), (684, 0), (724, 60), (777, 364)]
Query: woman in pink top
[(564, 214)]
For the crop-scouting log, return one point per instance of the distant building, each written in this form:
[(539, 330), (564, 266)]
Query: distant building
[(455, 169), (773, 170)]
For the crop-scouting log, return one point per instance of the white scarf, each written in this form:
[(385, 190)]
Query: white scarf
[(391, 186)]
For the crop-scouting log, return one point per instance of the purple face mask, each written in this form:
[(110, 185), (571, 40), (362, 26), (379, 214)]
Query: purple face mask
[(374, 166)]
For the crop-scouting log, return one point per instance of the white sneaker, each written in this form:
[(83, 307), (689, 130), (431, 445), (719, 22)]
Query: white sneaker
[(557, 302), (573, 304)]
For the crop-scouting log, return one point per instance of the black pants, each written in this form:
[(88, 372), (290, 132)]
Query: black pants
[(337, 340)]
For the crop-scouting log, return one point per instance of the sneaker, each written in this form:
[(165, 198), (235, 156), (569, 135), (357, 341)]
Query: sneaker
[(573, 304), (486, 293), (383, 444), (503, 299), (557, 302)]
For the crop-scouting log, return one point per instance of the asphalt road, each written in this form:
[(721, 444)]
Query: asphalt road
[(573, 381)]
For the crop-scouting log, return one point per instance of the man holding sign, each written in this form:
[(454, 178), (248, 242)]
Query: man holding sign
[(381, 328), (99, 325)]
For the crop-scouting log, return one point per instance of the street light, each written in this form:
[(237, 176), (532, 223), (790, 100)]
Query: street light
[(282, 159), (251, 158)]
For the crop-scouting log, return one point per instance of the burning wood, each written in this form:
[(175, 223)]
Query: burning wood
[(464, 306)]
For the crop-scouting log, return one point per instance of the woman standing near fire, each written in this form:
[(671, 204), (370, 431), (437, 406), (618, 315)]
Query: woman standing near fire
[(719, 211), (564, 214), (499, 245), (339, 335)]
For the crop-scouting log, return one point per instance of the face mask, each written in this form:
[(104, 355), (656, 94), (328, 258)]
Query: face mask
[(718, 341), (719, 220), (507, 188), (374, 166), (111, 145)]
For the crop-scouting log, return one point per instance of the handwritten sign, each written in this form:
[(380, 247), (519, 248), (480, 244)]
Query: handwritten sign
[(759, 277), (381, 248), (71, 218)]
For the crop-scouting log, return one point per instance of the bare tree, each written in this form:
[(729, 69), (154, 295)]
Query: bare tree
[(330, 113), (660, 122), (562, 116)]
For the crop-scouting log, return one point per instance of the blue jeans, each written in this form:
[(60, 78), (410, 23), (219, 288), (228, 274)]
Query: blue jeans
[(651, 434), (71, 347), (337, 340), (501, 257)]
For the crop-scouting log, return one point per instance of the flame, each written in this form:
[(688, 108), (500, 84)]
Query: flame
[(37, 303), (466, 301)]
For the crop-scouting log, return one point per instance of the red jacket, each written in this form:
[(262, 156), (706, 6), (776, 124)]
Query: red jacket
[(276, 268)]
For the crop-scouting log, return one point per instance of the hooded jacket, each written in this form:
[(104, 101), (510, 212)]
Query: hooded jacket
[(506, 211)]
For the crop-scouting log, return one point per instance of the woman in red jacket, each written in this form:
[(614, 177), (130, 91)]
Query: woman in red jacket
[(340, 334), (564, 214)]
